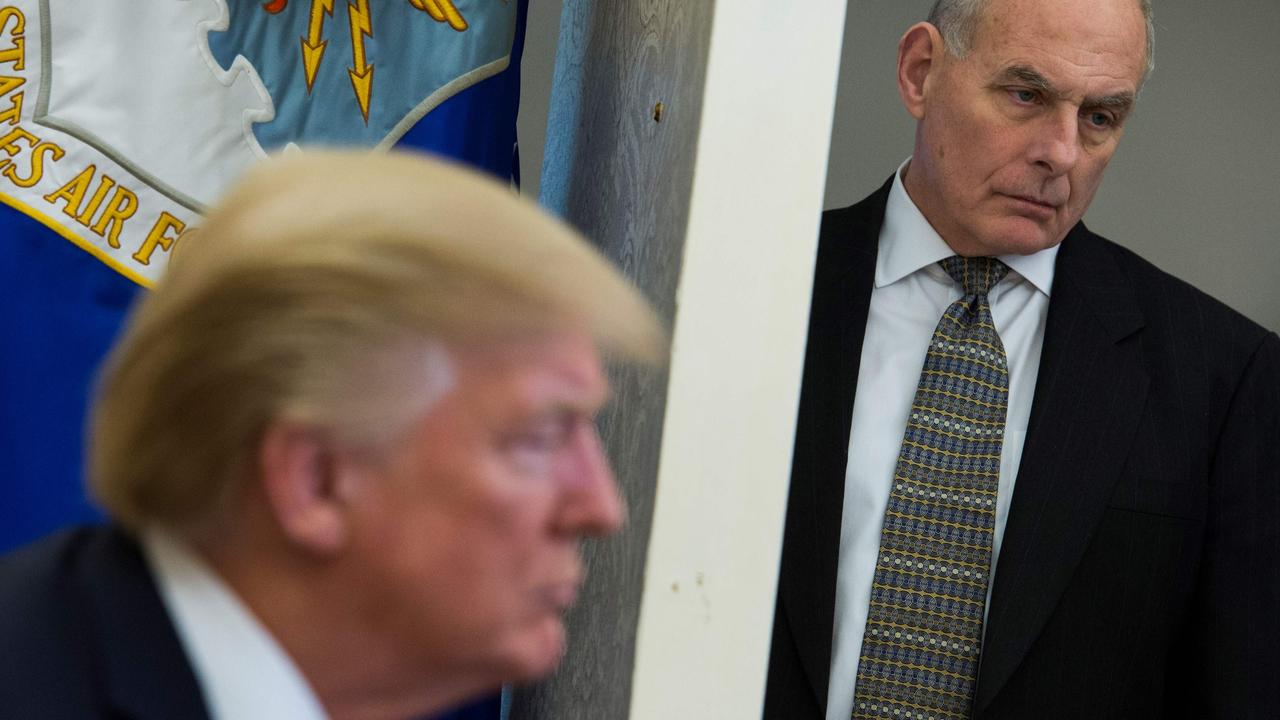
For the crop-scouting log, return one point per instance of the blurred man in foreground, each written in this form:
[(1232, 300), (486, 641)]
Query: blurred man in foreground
[(348, 448)]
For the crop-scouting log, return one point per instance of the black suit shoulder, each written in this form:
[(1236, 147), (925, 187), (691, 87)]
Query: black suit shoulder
[(43, 632), (86, 635), (1199, 352), (852, 231), (1174, 304)]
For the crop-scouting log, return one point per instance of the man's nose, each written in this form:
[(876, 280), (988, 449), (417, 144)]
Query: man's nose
[(1056, 147), (593, 505)]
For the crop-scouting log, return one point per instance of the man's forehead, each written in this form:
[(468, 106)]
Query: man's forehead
[(1101, 42), (1034, 21), (561, 369), (1004, 12)]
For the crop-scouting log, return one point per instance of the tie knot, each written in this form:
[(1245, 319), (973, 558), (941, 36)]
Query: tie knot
[(976, 275)]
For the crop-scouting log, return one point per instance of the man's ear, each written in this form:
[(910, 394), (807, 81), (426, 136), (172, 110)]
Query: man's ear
[(297, 469), (920, 53)]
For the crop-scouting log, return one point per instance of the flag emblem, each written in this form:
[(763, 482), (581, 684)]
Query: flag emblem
[(120, 120)]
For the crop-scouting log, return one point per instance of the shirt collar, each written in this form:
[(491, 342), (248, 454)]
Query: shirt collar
[(243, 670), (909, 243)]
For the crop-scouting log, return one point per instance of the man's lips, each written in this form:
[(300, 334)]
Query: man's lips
[(1033, 206), (562, 594)]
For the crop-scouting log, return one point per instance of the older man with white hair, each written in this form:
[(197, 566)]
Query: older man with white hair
[(1034, 476)]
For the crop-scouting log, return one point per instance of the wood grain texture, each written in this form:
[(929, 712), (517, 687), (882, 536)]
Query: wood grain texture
[(624, 179)]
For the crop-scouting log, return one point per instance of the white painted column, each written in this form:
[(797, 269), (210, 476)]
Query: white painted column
[(738, 347)]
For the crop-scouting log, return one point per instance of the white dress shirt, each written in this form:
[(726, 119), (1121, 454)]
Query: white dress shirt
[(243, 671), (910, 294)]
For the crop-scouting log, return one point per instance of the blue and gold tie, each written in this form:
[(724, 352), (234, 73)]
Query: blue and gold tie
[(924, 625)]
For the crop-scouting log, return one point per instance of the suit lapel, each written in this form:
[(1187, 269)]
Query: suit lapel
[(1089, 395), (843, 280)]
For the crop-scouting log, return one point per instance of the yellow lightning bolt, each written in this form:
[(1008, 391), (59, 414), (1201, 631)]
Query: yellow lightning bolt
[(313, 44), (442, 11), (361, 73)]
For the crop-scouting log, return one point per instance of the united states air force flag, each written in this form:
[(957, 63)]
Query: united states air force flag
[(121, 119)]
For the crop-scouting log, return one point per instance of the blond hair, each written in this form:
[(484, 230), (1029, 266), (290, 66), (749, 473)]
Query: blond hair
[(304, 295)]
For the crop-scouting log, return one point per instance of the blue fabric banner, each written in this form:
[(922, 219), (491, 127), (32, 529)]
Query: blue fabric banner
[(120, 120)]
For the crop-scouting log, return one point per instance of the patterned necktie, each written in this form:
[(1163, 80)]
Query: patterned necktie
[(924, 626)]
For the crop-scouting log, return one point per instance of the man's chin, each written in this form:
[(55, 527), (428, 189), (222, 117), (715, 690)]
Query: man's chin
[(538, 651), (1021, 236)]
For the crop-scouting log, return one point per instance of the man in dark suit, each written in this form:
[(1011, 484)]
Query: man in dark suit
[(349, 453), (1133, 546)]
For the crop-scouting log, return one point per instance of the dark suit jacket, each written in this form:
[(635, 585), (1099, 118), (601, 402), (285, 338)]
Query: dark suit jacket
[(84, 634), (1139, 575)]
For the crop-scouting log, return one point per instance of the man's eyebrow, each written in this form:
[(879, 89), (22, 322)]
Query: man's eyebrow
[(1120, 103), (1030, 77), (589, 406)]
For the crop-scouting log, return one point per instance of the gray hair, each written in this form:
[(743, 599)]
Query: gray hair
[(957, 21)]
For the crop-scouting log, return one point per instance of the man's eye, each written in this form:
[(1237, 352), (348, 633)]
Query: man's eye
[(1100, 120), (541, 439), (1024, 96)]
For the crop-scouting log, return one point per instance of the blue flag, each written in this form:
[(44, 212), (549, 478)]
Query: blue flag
[(121, 120)]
